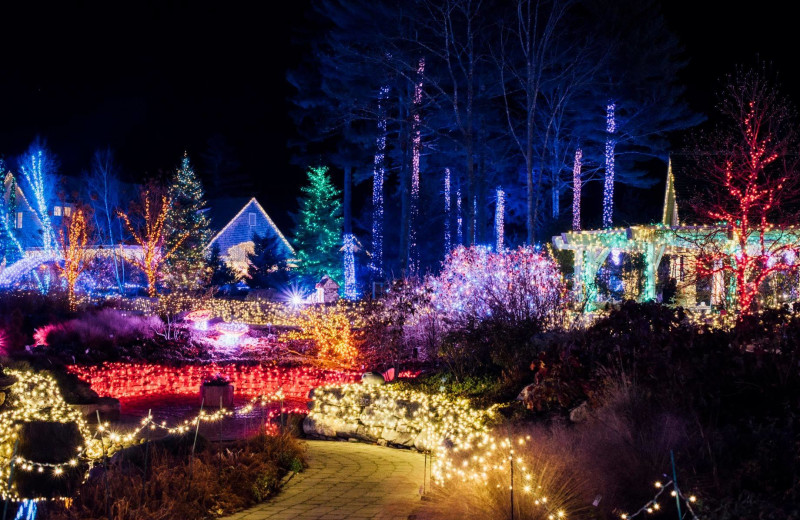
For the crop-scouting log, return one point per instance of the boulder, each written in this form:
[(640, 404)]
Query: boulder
[(580, 413), (318, 428), (108, 407), (527, 395), (372, 378)]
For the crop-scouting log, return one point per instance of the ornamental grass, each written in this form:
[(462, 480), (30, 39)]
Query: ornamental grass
[(218, 480)]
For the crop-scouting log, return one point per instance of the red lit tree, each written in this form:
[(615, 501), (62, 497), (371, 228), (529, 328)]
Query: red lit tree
[(73, 240), (749, 170), (151, 213)]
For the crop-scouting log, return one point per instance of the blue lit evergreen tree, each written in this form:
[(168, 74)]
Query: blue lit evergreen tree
[(318, 229), (10, 248), (187, 268)]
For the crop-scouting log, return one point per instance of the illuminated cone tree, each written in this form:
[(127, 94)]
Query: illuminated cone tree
[(318, 229), (187, 228), (73, 241), (150, 234), (749, 168)]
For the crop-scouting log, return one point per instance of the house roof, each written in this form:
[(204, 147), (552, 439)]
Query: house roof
[(221, 211), (225, 211)]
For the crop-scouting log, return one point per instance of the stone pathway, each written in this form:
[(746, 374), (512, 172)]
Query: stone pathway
[(346, 480)]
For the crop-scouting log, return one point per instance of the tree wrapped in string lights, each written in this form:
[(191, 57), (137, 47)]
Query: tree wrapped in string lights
[(74, 249), (150, 234), (187, 228), (318, 228), (750, 169)]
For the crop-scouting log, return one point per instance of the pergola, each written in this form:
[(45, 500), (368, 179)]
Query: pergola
[(682, 243)]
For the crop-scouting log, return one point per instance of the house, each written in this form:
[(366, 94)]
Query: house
[(22, 221), (239, 221), (326, 291)]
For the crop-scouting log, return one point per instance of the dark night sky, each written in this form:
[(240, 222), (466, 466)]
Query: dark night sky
[(152, 81)]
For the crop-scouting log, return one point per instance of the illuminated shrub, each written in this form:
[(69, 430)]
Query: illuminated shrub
[(329, 330), (493, 306), (521, 285)]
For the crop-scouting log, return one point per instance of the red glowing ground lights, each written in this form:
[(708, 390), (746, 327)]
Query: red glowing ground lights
[(136, 380)]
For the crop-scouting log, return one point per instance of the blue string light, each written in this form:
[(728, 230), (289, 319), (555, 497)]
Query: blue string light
[(350, 286), (447, 211), (378, 174), (499, 219)]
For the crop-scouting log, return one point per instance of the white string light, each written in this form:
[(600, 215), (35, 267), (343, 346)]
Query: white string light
[(576, 190), (608, 184)]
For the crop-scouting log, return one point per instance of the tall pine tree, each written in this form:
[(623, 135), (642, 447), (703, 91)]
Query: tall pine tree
[(318, 229), (187, 266)]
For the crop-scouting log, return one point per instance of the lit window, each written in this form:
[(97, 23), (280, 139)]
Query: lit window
[(19, 220), (67, 211), (252, 217), (57, 211)]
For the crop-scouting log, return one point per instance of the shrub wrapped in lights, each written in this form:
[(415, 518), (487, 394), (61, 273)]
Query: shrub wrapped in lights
[(330, 331), (396, 415), (35, 397), (515, 286)]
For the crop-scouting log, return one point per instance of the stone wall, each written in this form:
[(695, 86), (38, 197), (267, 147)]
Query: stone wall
[(367, 418), (389, 416)]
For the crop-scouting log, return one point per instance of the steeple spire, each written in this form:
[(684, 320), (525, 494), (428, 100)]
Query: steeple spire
[(670, 215)]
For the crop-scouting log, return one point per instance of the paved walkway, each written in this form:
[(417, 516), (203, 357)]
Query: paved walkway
[(346, 480)]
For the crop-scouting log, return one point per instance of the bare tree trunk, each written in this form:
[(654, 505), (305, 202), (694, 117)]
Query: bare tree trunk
[(348, 195)]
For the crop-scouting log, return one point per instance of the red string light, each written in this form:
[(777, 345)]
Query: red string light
[(137, 380)]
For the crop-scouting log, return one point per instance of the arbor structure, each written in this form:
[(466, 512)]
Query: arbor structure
[(76, 255), (749, 168), (150, 233), (187, 228), (318, 228)]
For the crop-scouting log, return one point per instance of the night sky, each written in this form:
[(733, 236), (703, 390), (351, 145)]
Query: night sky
[(152, 81)]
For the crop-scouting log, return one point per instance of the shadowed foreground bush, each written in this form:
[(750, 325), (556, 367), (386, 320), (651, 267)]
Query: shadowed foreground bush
[(219, 481)]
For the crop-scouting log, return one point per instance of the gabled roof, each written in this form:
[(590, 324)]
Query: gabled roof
[(21, 196), (217, 216)]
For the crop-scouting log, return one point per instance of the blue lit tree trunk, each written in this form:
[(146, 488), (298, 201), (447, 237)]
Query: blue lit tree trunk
[(608, 183), (378, 177), (416, 149), (576, 190), (447, 213), (499, 220)]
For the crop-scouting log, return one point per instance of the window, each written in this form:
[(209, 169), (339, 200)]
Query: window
[(57, 211), (67, 211), (252, 217), (19, 220)]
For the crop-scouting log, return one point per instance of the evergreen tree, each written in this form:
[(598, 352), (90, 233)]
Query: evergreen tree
[(268, 267), (187, 267), (318, 229), (221, 274), (10, 247)]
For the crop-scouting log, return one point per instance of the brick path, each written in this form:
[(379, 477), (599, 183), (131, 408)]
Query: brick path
[(347, 480)]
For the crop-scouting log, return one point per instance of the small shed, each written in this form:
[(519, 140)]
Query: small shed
[(327, 290)]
